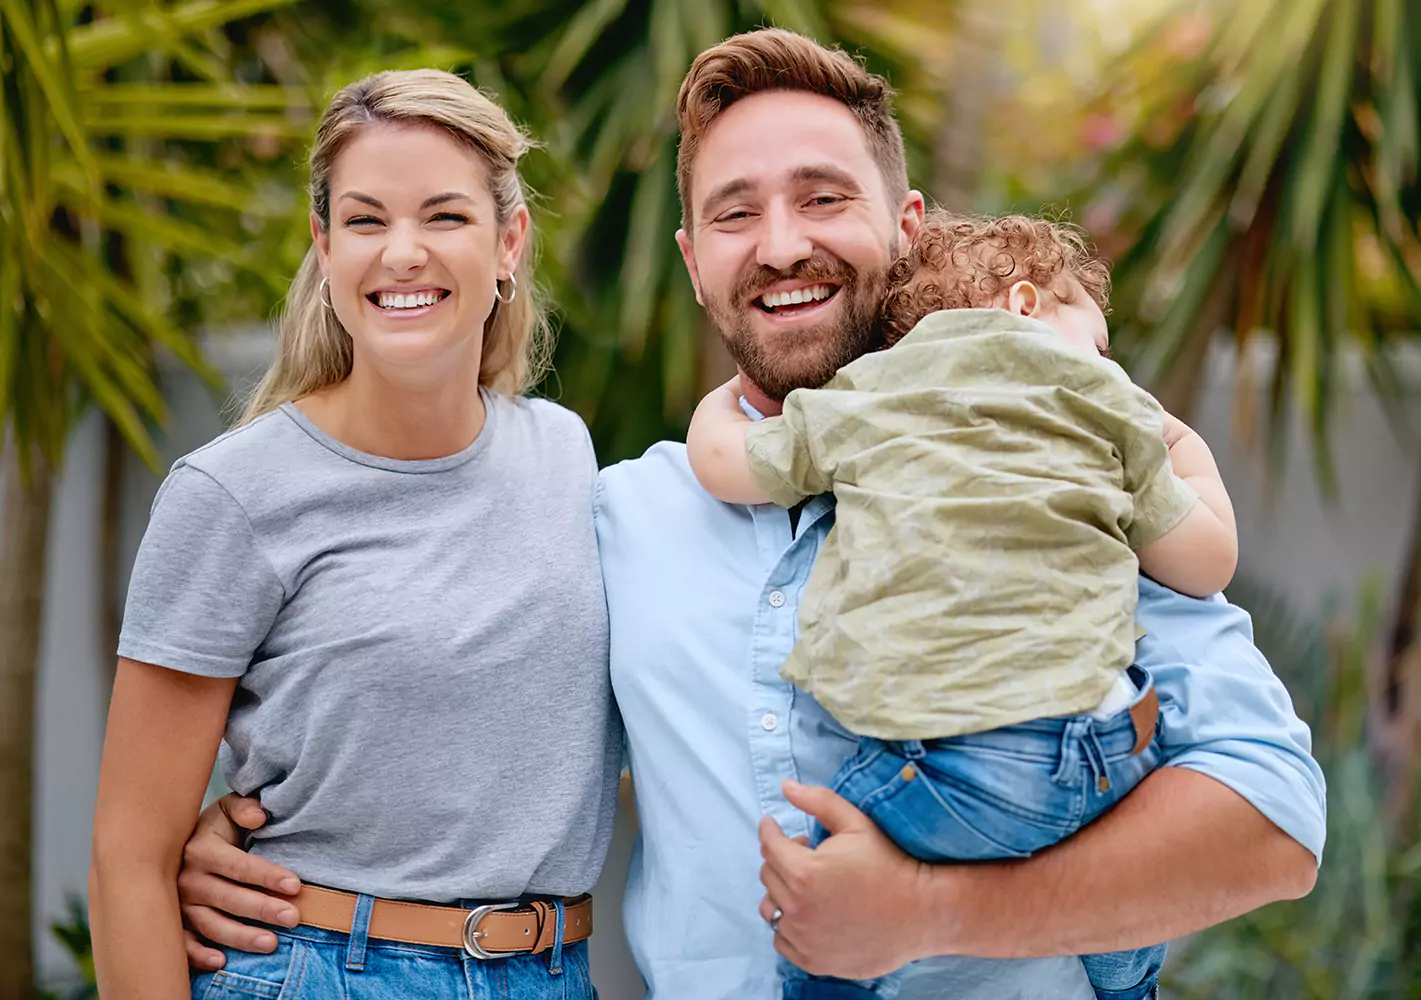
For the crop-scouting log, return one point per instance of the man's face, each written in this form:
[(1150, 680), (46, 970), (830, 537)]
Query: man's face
[(792, 237)]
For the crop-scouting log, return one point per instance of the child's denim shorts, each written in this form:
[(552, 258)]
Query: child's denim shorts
[(1005, 793)]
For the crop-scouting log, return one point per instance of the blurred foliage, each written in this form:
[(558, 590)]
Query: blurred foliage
[(1257, 170), (1358, 934), (72, 933), (98, 200)]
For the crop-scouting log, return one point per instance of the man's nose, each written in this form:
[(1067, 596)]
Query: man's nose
[(784, 239), (404, 249)]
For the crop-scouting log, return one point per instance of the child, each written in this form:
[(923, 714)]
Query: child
[(1000, 483)]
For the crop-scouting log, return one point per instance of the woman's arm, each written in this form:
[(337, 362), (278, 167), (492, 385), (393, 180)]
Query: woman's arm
[(162, 736), (715, 445)]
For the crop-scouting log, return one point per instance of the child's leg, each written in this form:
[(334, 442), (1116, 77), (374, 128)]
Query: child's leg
[(1126, 975), (1000, 794)]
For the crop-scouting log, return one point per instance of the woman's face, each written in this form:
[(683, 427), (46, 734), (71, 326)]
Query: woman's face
[(413, 251)]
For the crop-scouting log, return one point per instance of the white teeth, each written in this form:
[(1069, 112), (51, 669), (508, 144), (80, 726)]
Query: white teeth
[(414, 300), (814, 293)]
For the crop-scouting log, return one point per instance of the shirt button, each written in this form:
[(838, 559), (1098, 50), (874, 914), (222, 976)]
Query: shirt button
[(777, 599), (769, 722)]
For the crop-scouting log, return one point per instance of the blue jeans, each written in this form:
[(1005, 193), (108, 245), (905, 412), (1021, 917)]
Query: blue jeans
[(314, 964), (1006, 793)]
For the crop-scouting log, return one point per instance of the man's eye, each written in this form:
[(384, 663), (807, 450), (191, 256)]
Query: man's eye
[(825, 200), (736, 215)]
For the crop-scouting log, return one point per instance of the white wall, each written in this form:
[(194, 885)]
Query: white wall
[(1290, 536)]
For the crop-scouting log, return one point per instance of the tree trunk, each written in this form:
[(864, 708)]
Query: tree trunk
[(971, 88), (23, 531), (1401, 690), (111, 611)]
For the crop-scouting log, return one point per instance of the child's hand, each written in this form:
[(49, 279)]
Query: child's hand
[(1175, 430)]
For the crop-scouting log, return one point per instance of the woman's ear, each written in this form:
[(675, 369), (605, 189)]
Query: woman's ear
[(1023, 299), (321, 240), (513, 241)]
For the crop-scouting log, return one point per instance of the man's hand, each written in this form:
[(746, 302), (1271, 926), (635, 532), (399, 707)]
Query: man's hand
[(843, 903), (212, 886)]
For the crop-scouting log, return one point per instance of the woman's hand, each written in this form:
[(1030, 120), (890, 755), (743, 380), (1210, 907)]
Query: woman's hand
[(213, 886)]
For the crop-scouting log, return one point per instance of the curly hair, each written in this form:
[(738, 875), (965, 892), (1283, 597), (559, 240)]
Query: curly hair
[(971, 262)]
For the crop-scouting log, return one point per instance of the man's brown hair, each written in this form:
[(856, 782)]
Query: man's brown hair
[(772, 59), (971, 262)]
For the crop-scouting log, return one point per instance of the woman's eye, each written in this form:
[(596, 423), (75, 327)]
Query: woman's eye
[(453, 217), (362, 220)]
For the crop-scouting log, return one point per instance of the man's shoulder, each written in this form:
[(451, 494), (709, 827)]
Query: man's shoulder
[(1181, 627), (660, 478), (655, 490)]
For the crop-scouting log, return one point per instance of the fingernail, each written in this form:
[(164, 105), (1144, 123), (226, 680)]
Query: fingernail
[(288, 917), (291, 886), (266, 942), (791, 783)]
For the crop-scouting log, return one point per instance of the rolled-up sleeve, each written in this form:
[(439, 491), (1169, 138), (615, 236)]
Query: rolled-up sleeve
[(1225, 713)]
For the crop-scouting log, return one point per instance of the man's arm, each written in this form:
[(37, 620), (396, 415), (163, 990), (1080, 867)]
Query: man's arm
[(1180, 853), (214, 885), (1235, 820)]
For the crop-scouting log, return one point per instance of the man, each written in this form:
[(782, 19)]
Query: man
[(795, 200)]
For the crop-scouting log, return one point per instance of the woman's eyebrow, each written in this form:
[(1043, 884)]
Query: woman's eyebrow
[(438, 199)]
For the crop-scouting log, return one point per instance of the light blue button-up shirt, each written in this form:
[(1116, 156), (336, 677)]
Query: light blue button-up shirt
[(703, 597)]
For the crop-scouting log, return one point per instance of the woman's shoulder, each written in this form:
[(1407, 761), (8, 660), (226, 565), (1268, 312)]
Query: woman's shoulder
[(545, 420), (252, 448)]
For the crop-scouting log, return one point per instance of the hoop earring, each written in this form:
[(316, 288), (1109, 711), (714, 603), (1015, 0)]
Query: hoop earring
[(321, 294), (511, 295)]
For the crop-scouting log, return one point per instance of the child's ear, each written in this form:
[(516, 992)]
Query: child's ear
[(1023, 299)]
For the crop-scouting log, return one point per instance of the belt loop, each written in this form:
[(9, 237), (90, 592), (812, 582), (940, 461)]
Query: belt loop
[(359, 933), (555, 959), (1070, 753), (912, 749)]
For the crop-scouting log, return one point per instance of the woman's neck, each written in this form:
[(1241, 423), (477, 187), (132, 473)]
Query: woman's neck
[(374, 414)]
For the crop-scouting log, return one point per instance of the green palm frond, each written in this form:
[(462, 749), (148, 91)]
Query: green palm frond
[(1286, 200), (93, 193)]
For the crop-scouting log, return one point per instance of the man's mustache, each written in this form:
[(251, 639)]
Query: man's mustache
[(815, 270)]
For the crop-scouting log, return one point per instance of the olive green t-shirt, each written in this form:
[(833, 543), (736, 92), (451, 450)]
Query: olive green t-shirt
[(992, 483)]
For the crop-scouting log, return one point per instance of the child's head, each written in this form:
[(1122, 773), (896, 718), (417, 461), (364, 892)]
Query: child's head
[(1031, 267)]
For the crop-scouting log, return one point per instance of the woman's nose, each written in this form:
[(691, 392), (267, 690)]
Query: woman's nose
[(404, 249)]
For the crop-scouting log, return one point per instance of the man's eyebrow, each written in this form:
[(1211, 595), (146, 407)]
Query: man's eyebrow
[(437, 199), (826, 172), (728, 190)]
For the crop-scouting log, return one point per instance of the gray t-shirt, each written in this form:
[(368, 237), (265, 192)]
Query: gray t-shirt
[(424, 708)]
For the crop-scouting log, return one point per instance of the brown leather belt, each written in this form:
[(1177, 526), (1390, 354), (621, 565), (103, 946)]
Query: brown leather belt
[(494, 930), (1145, 713)]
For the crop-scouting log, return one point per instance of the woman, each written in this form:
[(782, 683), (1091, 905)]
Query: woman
[(381, 593)]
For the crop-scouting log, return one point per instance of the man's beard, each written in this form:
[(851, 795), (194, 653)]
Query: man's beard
[(805, 358)]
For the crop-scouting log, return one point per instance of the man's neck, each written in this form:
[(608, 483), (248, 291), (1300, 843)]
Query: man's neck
[(763, 404)]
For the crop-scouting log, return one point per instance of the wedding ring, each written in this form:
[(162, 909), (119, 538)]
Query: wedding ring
[(775, 919)]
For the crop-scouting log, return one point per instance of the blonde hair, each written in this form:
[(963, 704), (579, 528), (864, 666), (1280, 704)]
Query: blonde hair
[(314, 350), (773, 59), (970, 262)]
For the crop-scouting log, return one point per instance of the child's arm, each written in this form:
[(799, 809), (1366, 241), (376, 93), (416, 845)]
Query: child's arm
[(1199, 555), (715, 445)]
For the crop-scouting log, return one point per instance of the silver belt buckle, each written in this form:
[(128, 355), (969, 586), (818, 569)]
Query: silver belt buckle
[(472, 932)]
